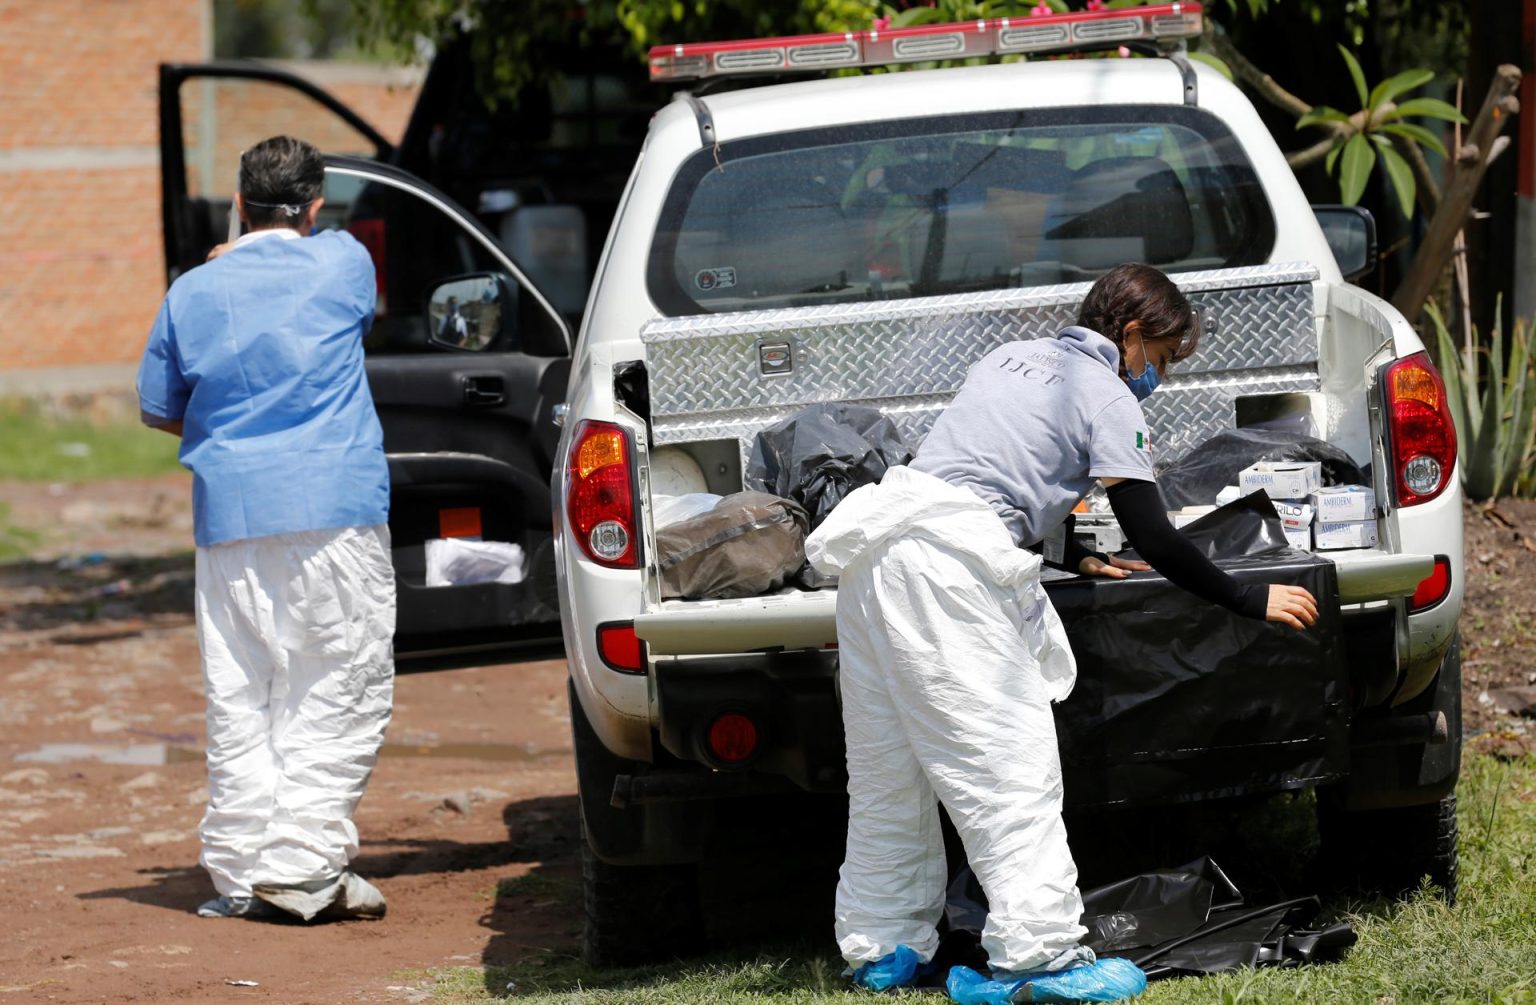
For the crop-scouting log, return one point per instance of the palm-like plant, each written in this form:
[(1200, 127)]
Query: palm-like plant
[(1365, 138)]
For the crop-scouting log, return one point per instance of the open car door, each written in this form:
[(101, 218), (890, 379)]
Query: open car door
[(466, 359), (210, 113)]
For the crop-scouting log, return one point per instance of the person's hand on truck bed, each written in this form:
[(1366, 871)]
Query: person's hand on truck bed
[(1138, 506)]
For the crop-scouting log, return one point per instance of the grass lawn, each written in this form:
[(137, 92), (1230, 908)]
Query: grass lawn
[(36, 449), (1482, 950)]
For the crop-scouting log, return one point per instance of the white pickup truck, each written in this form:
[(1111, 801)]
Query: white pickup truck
[(865, 239)]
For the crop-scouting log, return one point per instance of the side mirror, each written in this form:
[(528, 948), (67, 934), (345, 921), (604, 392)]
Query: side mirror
[(473, 313), (1351, 235)]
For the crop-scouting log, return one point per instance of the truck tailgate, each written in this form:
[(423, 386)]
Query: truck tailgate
[(790, 620), (797, 619), (1373, 574)]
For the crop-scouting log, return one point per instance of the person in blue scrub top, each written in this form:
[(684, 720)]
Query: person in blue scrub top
[(256, 361)]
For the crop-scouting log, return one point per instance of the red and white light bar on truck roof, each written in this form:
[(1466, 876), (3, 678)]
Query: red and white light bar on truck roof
[(1052, 33)]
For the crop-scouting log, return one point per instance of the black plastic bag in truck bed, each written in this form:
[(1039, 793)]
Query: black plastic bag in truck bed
[(1177, 699)]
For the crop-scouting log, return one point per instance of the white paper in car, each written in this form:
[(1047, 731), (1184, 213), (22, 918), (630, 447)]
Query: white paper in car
[(457, 561)]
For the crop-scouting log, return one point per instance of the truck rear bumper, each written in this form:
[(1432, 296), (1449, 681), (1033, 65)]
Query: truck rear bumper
[(790, 697)]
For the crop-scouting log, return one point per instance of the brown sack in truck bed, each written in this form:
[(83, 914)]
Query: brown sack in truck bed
[(749, 544)]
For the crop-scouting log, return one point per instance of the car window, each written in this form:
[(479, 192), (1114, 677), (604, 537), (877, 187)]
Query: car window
[(416, 246), (953, 205), (223, 117)]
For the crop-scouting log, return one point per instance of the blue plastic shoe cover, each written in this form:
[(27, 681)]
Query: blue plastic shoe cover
[(1107, 980), (893, 970)]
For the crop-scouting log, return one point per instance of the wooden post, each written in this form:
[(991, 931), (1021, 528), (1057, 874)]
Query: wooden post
[(1471, 160)]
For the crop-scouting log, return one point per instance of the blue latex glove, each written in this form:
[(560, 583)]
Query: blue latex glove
[(893, 970), (1107, 980)]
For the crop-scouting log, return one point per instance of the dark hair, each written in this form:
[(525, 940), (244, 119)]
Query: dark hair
[(276, 175), (1137, 292)]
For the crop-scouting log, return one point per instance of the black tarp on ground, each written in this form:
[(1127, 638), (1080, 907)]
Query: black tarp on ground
[(1169, 922)]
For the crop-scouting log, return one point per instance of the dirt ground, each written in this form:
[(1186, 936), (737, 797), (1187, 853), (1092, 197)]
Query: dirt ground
[(1498, 628), (469, 826)]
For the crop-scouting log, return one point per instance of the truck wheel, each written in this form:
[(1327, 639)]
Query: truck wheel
[(1389, 851), (637, 914)]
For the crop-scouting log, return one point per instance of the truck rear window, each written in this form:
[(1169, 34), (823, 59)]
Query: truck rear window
[(925, 207)]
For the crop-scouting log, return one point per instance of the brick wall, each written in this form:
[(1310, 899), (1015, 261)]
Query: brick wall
[(81, 266)]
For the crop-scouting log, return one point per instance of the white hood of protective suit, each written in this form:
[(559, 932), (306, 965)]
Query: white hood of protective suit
[(908, 503)]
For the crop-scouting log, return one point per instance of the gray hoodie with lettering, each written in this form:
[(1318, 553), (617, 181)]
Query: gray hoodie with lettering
[(1034, 425)]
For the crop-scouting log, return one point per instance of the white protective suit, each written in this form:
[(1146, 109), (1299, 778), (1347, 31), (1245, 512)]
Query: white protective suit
[(296, 633), (950, 655)]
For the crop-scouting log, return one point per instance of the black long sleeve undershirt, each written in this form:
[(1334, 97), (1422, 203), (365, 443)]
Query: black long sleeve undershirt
[(1138, 507), (1074, 553)]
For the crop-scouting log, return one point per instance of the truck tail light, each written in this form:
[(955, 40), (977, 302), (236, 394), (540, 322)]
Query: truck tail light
[(620, 647), (600, 496), (1433, 588), (732, 738), (1423, 434)]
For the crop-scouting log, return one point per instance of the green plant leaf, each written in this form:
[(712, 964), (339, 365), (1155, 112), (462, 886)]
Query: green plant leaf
[(1401, 175), (1356, 74), (1416, 133), (1209, 60), (1333, 156), (1402, 83), (1524, 441), (1485, 464), (1319, 115), (1451, 370), (1426, 108), (1521, 398), (915, 16), (1355, 168)]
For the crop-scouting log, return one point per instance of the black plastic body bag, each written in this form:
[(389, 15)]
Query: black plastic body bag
[(821, 453), (1196, 478), (1178, 700)]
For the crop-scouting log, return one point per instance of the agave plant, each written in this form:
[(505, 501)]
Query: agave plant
[(1495, 413)]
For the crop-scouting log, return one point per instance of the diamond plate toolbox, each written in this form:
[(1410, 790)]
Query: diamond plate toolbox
[(908, 357)]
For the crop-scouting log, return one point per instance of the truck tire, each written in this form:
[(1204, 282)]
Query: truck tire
[(1389, 851), (636, 914)]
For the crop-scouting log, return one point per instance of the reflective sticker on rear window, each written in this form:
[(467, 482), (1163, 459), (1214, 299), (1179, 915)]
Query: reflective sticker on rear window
[(721, 278)]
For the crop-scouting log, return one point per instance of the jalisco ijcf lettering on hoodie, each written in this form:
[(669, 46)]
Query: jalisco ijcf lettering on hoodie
[(1034, 425)]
